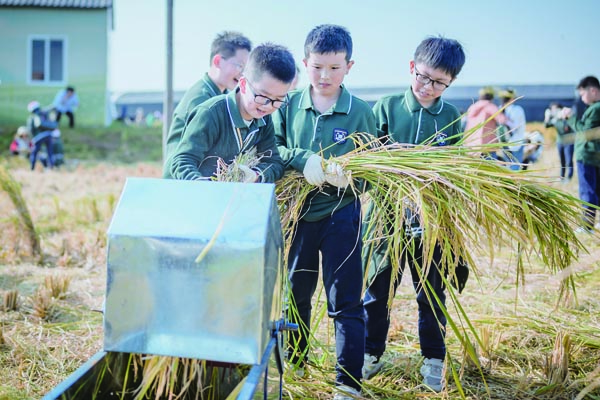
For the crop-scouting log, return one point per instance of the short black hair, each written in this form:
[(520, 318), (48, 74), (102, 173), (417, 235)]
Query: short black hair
[(228, 42), (588, 81), (274, 59), (327, 38), (70, 89), (438, 52)]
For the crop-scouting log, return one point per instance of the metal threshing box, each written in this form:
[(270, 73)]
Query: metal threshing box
[(163, 299)]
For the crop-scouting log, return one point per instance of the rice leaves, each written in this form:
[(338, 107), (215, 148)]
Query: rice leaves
[(13, 190)]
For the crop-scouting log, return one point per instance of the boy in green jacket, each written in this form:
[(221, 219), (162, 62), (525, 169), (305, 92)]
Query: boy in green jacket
[(238, 122), (314, 126), (417, 116), (228, 56), (587, 149)]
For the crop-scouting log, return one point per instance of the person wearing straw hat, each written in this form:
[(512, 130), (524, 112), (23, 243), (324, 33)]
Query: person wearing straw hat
[(516, 123)]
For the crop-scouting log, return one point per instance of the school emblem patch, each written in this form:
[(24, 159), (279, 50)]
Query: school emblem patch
[(340, 136), (440, 138)]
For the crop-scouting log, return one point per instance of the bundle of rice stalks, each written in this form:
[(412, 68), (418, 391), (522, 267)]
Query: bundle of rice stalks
[(461, 199), (13, 190), (232, 172), (465, 203), (184, 378)]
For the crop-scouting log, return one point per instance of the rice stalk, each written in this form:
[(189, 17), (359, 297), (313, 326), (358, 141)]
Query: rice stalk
[(232, 172), (557, 366), (57, 285), (13, 190), (10, 300), (177, 377), (43, 305)]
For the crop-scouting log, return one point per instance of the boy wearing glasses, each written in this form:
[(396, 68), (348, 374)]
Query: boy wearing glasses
[(417, 116), (315, 126), (238, 122), (228, 56)]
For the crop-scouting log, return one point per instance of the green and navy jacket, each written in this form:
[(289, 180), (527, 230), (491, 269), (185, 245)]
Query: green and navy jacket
[(301, 131), (587, 144), (201, 91), (215, 129), (400, 118)]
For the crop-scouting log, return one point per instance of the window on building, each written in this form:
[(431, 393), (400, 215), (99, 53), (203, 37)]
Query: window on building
[(47, 60)]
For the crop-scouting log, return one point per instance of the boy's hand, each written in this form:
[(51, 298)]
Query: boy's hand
[(313, 170), (250, 176), (334, 175)]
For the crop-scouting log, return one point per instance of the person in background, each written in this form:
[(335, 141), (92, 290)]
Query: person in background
[(534, 145), (21, 144), (565, 139), (239, 122), (66, 102), (228, 57), (419, 115), (41, 128), (587, 149), (480, 112), (516, 123), (314, 126)]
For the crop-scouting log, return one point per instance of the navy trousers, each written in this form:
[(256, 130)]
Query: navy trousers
[(565, 153), (589, 191), (431, 332), (45, 139), (339, 242)]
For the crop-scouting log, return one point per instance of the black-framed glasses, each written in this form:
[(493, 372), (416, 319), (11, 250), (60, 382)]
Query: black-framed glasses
[(426, 80), (264, 100)]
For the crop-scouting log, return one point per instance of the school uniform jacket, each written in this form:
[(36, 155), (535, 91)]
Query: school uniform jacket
[(215, 129), (201, 91), (301, 131), (400, 118), (587, 147)]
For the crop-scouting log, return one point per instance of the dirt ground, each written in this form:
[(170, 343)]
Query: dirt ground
[(72, 207)]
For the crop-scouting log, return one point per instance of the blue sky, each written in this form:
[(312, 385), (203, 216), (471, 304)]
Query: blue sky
[(506, 41)]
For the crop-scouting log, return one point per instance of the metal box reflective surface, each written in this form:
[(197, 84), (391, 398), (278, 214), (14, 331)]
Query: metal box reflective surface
[(160, 299)]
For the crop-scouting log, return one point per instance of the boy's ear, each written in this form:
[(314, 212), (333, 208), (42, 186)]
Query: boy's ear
[(242, 84), (216, 60), (349, 66)]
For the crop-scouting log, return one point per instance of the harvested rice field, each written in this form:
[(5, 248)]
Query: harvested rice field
[(529, 345)]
